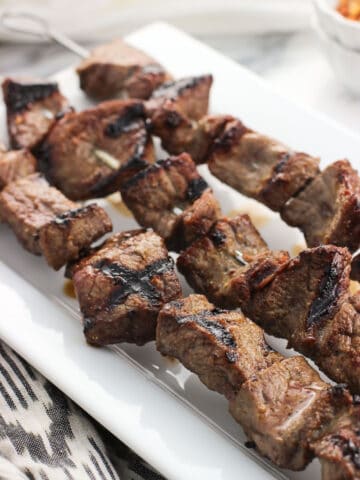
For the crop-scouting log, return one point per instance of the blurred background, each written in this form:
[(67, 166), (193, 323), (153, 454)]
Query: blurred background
[(275, 38)]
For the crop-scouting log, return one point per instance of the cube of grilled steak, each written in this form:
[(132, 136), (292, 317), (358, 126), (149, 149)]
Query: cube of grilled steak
[(89, 154), (260, 167), (28, 204), (64, 238), (173, 199), (339, 449), (47, 223), (230, 262), (223, 348), (179, 133), (122, 286), (338, 344), (283, 409), (328, 209), (308, 303), (119, 70), (32, 108), (15, 164), (303, 296), (355, 268), (189, 95)]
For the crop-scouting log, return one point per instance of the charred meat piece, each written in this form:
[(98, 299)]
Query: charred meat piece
[(260, 167), (66, 236), (15, 164), (337, 350), (223, 348), (28, 204), (339, 449), (308, 303), (179, 133), (45, 222), (282, 404), (173, 199), (91, 153), (284, 408), (32, 109), (230, 262), (119, 70), (328, 209), (122, 286), (189, 96), (301, 298)]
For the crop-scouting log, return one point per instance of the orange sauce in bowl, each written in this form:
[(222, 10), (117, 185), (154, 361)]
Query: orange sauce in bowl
[(349, 9)]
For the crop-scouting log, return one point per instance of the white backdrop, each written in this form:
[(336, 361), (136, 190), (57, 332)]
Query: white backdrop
[(86, 20)]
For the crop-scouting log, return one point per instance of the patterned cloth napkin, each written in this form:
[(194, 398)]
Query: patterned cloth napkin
[(45, 436)]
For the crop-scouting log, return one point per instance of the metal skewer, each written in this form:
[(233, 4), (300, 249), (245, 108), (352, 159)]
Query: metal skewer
[(40, 28)]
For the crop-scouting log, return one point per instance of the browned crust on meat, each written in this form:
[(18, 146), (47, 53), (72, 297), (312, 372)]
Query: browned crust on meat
[(15, 164), (122, 286), (284, 408), (230, 262), (189, 96), (258, 166), (172, 198), (303, 297), (118, 69), (72, 154), (328, 210), (339, 448), (224, 348), (28, 204), (32, 110), (63, 238)]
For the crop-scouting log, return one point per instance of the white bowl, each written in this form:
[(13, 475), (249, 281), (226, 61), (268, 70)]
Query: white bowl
[(344, 61), (336, 25)]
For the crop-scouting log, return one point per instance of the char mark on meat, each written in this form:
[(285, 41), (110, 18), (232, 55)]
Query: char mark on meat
[(32, 110), (173, 199), (230, 262), (91, 153), (258, 166), (327, 211), (122, 285), (282, 404), (47, 223)]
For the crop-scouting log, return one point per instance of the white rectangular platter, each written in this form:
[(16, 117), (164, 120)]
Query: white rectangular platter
[(153, 404)]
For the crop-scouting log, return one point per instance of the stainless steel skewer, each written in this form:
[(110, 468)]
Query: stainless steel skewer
[(40, 28)]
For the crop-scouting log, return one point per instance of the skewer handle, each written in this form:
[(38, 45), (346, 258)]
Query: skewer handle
[(35, 25)]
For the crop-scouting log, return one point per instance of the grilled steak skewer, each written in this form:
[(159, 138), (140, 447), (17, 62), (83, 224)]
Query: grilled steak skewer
[(15, 164), (282, 404), (122, 285), (119, 70), (91, 153), (32, 109), (47, 223), (325, 206), (328, 209), (305, 300), (260, 167), (230, 262), (173, 199), (188, 96)]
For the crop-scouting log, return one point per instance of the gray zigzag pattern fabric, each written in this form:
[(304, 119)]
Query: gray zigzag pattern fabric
[(45, 436)]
